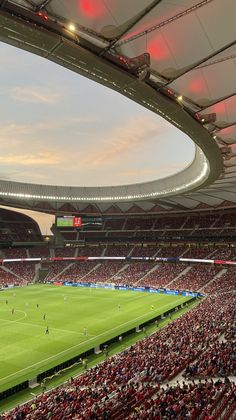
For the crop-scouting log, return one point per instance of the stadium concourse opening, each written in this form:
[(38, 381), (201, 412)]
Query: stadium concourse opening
[(164, 285)]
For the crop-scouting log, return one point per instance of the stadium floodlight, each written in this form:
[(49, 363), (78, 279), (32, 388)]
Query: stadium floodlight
[(71, 27), (208, 118)]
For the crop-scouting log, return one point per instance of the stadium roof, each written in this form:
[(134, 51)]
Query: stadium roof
[(176, 58)]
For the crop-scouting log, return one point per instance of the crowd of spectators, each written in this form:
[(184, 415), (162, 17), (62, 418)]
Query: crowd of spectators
[(23, 271), (104, 272), (203, 400), (118, 250), (134, 272), (7, 277), (77, 271), (136, 374), (55, 268), (145, 251), (15, 253), (172, 251), (154, 228), (114, 224), (218, 360), (139, 223), (201, 343), (39, 252), (220, 284), (195, 278), (144, 273), (162, 275)]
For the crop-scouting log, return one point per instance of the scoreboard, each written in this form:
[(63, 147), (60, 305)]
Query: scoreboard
[(77, 221), (68, 221)]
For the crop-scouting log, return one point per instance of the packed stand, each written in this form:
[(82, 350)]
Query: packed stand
[(204, 401), (118, 251), (6, 278), (24, 271), (218, 361), (195, 278), (134, 272), (105, 272), (55, 268), (77, 271), (132, 374), (15, 253), (226, 282), (139, 223), (144, 251), (114, 224), (39, 252), (162, 275), (64, 252)]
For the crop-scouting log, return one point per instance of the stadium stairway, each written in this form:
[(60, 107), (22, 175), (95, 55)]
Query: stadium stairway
[(11, 272), (62, 271), (185, 271), (116, 275), (217, 276), (146, 274), (104, 251), (89, 272)]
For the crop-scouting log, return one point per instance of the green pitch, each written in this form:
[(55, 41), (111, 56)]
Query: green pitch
[(77, 319)]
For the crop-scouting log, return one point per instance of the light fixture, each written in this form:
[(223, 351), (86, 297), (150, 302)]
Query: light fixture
[(180, 98), (71, 27)]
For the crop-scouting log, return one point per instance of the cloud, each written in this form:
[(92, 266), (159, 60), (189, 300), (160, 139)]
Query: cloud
[(163, 171), (43, 158), (123, 141), (35, 94), (20, 129)]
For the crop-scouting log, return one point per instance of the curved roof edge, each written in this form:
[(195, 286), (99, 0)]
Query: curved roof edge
[(205, 169)]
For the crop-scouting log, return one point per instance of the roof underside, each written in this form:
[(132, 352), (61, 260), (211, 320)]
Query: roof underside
[(166, 48)]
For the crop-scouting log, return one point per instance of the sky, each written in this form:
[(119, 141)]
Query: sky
[(59, 128)]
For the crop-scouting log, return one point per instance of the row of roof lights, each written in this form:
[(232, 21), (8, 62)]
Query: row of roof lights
[(72, 28), (112, 198)]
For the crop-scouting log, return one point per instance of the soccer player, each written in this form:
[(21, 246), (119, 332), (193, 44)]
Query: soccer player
[(44, 317), (85, 332), (47, 331), (37, 305), (152, 307), (119, 306), (6, 302), (13, 311)]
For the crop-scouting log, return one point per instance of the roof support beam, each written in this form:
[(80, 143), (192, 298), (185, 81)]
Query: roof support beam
[(164, 23), (43, 5), (142, 14)]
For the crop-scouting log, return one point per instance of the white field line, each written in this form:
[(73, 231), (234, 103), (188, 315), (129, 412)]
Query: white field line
[(87, 341), (6, 321), (43, 326)]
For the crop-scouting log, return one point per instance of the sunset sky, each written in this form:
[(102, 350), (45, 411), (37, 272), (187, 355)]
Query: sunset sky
[(60, 128)]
